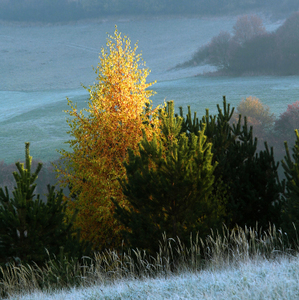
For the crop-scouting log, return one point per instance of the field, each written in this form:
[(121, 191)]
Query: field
[(257, 279), (239, 264)]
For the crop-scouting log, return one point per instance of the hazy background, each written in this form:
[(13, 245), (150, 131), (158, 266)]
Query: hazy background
[(48, 49), (70, 10)]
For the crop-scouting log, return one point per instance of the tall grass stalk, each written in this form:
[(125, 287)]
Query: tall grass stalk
[(218, 250)]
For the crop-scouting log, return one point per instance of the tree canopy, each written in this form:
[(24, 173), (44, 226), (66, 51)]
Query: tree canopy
[(118, 110), (252, 50)]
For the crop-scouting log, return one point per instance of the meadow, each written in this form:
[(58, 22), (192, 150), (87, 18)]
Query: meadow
[(240, 264)]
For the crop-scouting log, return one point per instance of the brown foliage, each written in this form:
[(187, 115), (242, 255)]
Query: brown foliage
[(258, 116), (288, 122)]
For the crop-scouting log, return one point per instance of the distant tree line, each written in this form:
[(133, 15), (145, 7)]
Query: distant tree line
[(251, 50), (68, 10)]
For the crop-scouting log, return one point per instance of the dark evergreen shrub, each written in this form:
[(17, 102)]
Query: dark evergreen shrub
[(291, 205), (31, 227), (168, 186), (250, 177)]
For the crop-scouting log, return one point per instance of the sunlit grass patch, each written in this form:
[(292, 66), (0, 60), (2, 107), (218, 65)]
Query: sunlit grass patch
[(254, 279), (238, 264)]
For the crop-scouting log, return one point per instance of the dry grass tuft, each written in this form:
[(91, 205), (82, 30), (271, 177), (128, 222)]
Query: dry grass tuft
[(218, 250)]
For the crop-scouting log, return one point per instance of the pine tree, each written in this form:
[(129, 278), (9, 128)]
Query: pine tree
[(29, 225), (168, 185), (290, 165), (250, 178)]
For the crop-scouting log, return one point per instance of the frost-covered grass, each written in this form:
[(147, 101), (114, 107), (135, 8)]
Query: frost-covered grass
[(239, 264), (254, 279)]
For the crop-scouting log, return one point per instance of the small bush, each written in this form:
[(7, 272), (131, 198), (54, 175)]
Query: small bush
[(288, 122), (258, 116)]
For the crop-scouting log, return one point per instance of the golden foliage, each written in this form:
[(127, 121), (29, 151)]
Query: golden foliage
[(101, 135), (258, 115)]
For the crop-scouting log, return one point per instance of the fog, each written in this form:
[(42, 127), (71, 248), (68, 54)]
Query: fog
[(251, 49), (74, 10), (42, 65)]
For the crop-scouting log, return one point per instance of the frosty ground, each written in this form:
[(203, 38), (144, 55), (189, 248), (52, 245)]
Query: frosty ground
[(252, 279)]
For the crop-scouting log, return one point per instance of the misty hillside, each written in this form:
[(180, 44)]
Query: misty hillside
[(251, 50), (70, 10)]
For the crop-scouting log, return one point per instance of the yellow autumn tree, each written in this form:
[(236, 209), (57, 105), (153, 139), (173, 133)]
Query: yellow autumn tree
[(119, 108)]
